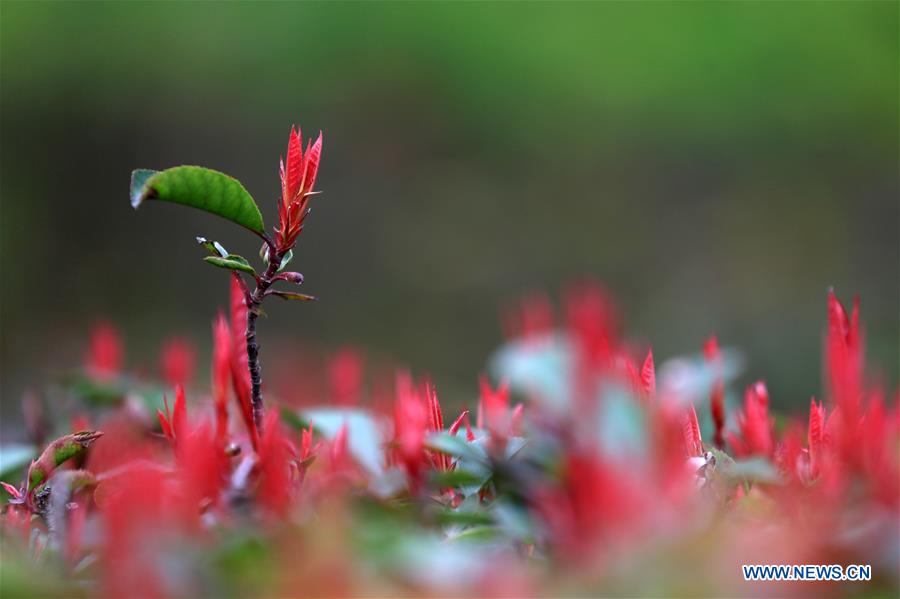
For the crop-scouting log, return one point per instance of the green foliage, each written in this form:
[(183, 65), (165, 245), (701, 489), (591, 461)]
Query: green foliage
[(454, 446), (231, 262), (200, 188), (364, 436)]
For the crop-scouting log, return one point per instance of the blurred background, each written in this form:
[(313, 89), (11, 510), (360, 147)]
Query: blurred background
[(716, 166)]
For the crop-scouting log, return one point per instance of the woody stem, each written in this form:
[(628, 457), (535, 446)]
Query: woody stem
[(253, 302)]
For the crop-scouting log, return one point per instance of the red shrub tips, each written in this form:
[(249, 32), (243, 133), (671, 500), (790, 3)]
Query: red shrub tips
[(756, 429), (607, 470), (298, 179), (717, 395), (105, 355), (593, 468), (173, 423), (177, 362)]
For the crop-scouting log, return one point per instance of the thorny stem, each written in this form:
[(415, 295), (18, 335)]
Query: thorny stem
[(263, 282)]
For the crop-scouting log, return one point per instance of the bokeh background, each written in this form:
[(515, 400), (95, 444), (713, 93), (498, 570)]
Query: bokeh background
[(717, 166)]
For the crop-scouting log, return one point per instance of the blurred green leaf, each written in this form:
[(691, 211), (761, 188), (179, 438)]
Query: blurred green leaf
[(464, 518), (514, 446), (293, 419), (754, 470), (538, 369), (231, 262), (363, 433), (514, 521), (200, 188), (452, 445), (94, 391), (245, 564), (478, 534), (457, 478)]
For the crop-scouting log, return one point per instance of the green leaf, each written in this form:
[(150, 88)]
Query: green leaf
[(293, 419), (290, 295), (458, 478), (514, 521), (232, 262), (478, 534), (514, 446), (452, 445), (463, 518), (364, 437), (753, 470), (200, 188)]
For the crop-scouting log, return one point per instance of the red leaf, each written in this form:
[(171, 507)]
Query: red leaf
[(313, 154), (177, 361), (345, 372), (691, 430), (179, 413), (293, 169), (816, 436), (648, 375), (11, 490), (844, 356), (274, 490), (717, 395), (221, 373), (757, 435), (104, 359), (711, 349), (164, 424)]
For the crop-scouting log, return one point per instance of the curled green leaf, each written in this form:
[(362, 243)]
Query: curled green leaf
[(231, 262), (59, 451), (201, 188)]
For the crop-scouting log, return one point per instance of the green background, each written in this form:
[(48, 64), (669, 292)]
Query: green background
[(717, 165)]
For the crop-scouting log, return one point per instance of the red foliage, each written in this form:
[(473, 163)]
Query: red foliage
[(757, 436), (717, 395), (298, 179), (177, 361), (693, 443), (221, 374), (173, 424), (589, 492), (275, 456), (345, 373), (105, 356)]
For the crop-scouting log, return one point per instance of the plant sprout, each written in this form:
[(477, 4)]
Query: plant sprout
[(225, 196)]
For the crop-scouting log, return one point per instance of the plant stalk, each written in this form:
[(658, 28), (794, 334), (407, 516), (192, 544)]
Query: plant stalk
[(254, 300)]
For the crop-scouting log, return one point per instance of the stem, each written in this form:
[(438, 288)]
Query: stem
[(253, 302)]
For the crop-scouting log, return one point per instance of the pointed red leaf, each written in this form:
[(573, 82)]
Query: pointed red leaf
[(11, 490), (313, 154), (691, 431), (293, 166), (648, 375)]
